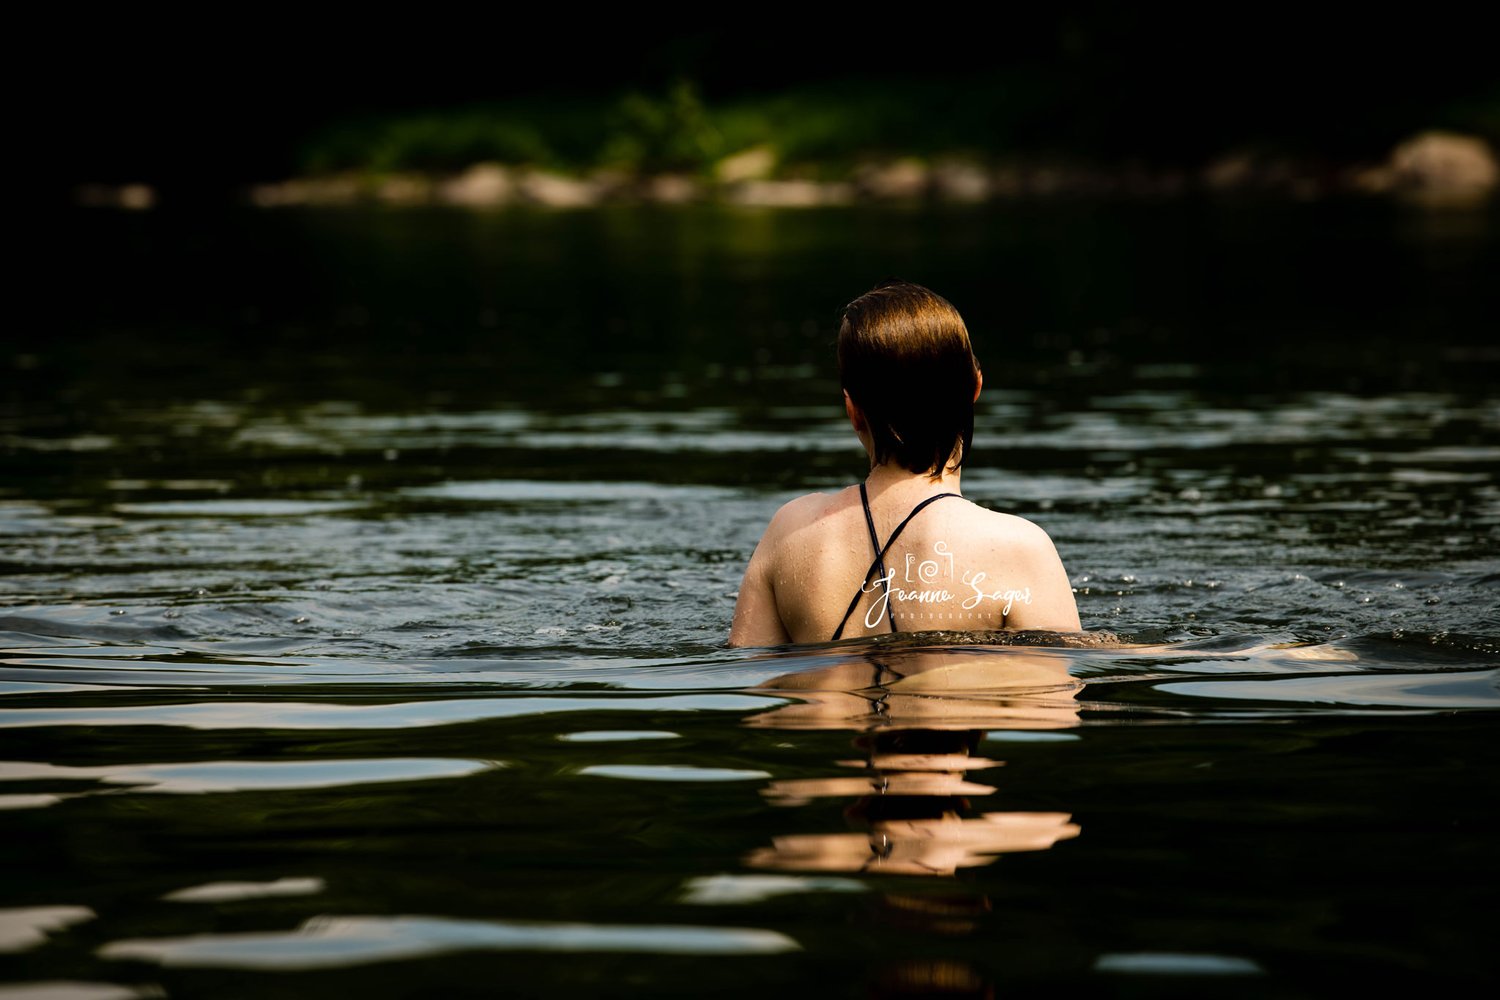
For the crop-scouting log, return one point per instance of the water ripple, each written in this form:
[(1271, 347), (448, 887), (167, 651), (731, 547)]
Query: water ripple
[(337, 941)]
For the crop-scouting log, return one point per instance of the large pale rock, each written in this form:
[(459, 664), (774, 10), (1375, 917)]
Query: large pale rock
[(960, 180), (558, 191), (753, 164), (1445, 164), (481, 186)]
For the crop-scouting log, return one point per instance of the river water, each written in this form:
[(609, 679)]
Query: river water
[(366, 576)]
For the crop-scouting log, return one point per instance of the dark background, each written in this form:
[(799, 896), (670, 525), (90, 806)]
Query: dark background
[(199, 109)]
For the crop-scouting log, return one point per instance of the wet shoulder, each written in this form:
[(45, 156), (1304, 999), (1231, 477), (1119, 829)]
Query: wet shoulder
[(812, 522), (1014, 533), (1014, 524), (801, 512)]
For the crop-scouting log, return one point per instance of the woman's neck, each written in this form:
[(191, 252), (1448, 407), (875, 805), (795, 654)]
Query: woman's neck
[(899, 481)]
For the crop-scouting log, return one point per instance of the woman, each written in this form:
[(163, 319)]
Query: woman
[(902, 551)]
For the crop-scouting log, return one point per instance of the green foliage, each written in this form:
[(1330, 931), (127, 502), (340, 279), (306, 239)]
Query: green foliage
[(839, 123), (437, 141), (638, 133), (823, 129), (674, 133)]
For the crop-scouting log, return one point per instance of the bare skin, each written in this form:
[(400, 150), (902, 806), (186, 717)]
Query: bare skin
[(956, 566)]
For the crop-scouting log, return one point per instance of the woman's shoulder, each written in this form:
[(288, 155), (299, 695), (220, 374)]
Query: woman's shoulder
[(1012, 531), (806, 510), (1015, 524), (810, 523)]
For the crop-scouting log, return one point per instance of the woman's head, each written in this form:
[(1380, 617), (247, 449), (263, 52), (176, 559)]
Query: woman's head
[(906, 362)]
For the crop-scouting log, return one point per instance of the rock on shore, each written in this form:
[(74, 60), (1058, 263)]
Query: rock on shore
[(1433, 167)]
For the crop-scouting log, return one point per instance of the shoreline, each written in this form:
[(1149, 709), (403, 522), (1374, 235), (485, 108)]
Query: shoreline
[(1435, 168)]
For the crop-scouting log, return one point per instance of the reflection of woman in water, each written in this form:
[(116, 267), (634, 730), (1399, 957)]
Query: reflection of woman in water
[(918, 795), (902, 550)]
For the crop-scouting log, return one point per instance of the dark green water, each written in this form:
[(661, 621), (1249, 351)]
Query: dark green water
[(379, 564)]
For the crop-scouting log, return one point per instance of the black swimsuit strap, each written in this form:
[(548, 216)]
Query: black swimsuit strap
[(864, 499), (880, 553)]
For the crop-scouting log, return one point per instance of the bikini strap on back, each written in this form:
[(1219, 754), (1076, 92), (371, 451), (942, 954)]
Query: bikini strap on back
[(864, 499), (880, 552)]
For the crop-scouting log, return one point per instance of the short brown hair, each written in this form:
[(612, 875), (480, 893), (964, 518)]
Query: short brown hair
[(906, 361)]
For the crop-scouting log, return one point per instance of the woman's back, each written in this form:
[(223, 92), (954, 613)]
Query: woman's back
[(953, 565)]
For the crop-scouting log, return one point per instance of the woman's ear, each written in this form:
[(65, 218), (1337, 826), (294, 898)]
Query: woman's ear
[(855, 414), (978, 382)]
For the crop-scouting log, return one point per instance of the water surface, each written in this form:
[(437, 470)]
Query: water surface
[(367, 576)]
